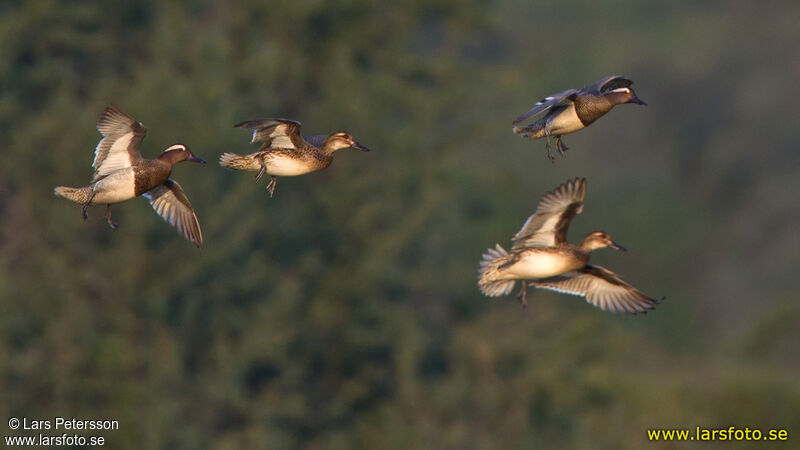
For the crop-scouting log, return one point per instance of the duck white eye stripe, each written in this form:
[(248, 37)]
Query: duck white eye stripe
[(175, 147), (624, 89)]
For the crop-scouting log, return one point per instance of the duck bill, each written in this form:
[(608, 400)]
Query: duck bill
[(616, 246), (638, 101), (194, 158), (358, 146)]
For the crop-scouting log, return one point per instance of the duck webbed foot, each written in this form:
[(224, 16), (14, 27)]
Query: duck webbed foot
[(271, 186), (523, 293), (111, 223), (560, 146)]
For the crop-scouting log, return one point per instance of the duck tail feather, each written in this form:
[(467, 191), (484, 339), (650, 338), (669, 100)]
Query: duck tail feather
[(534, 131), (77, 195), (488, 271), (239, 162)]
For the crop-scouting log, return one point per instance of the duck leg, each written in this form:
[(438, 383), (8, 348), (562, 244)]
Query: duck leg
[(261, 171), (271, 186), (111, 223), (86, 205), (549, 153), (523, 294), (560, 146)]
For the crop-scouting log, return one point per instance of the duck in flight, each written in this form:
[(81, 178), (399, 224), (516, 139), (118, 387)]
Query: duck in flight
[(121, 173), (285, 152), (541, 254), (575, 109)]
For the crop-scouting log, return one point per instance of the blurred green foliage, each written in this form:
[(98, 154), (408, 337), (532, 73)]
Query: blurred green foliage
[(343, 313)]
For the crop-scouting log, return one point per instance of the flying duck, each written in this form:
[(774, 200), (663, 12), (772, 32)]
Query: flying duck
[(541, 254), (285, 152), (121, 173), (575, 109)]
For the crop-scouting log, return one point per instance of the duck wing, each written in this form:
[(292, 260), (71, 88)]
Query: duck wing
[(274, 133), (317, 140), (548, 226), (119, 148), (562, 98), (602, 288), (172, 204), (607, 84)]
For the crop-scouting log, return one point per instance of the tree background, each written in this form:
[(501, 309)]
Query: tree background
[(344, 313)]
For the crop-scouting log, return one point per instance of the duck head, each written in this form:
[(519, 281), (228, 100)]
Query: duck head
[(624, 94), (599, 239), (178, 153), (340, 140)]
